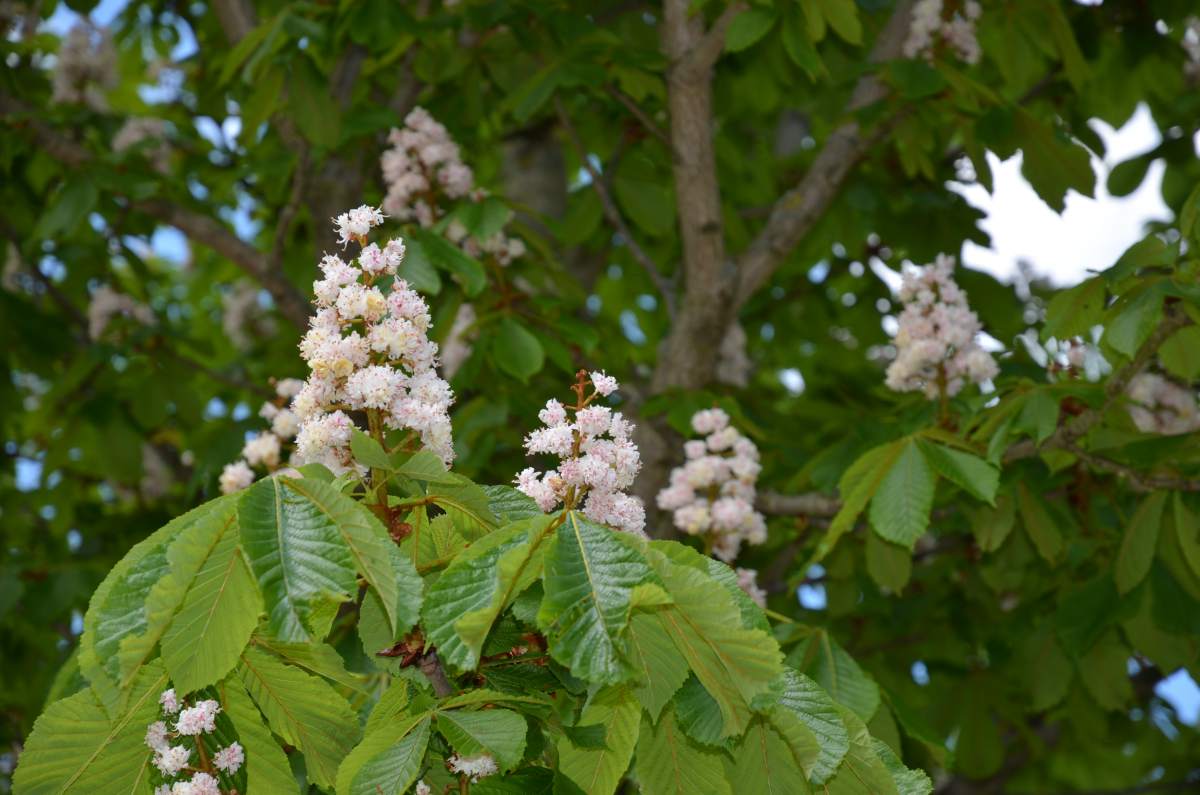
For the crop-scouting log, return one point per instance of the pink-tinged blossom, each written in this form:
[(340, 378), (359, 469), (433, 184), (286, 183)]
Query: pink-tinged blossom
[(598, 462), (937, 348), (931, 26), (106, 304), (357, 223), (473, 767), (422, 788), (156, 736), (230, 758), (199, 719), (203, 784), (169, 701), (712, 493), (748, 582), (1159, 405), (172, 759)]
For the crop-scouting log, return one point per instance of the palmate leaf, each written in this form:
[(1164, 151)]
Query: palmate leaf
[(900, 507), (76, 747), (297, 553), (763, 763), (219, 610), (589, 578), (117, 611), (669, 763), (302, 709), (267, 767), (660, 670), (823, 658), (812, 706), (597, 771), (857, 485), (734, 664), (387, 760), (477, 587), (497, 732), (862, 772)]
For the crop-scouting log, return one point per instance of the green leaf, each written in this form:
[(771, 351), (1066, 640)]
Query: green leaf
[(304, 710), (842, 16), (1039, 415), (467, 505), (660, 669), (1064, 39), (267, 767), (645, 200), (992, 526), (1148, 252), (970, 472), (69, 207), (1039, 525), (890, 565), (589, 580), (119, 634), (511, 505), (823, 658), (862, 771), (1187, 530), (907, 781), (314, 110), (426, 466), (418, 270), (1043, 654), (498, 732), (734, 664), (763, 763), (1052, 163), (857, 485), (1132, 318), (219, 611), (1139, 543), (517, 351), (320, 659), (669, 763), (597, 771), (698, 714), (800, 48), (297, 553), (980, 750), (900, 506), (75, 747), (1073, 312), (479, 585), (368, 452), (748, 27), (1105, 673), (1180, 354), (812, 706), (444, 255), (388, 759)]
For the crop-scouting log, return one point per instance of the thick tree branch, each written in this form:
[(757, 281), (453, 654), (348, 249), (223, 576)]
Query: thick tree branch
[(613, 213), (798, 210), (706, 49)]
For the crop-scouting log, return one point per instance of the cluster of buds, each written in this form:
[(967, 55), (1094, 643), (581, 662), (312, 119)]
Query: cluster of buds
[(174, 744), (424, 171), (932, 21), (598, 459), (86, 67), (368, 351), (712, 494), (937, 350), (1159, 405), (263, 452)]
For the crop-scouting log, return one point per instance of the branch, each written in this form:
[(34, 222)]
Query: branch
[(636, 111), (198, 227), (798, 210), (284, 226), (707, 49), (611, 211), (811, 504), (431, 666)]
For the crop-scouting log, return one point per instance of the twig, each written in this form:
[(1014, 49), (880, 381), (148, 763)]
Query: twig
[(613, 214), (810, 504), (431, 666), (636, 111)]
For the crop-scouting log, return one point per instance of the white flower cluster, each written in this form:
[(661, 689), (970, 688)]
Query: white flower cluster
[(1191, 46), (138, 129), (936, 347), (423, 161), (473, 767), (173, 760), (712, 495), (265, 450), (1159, 405), (593, 470), (929, 23), (107, 303), (422, 788), (1073, 356), (457, 347), (86, 67), (425, 167), (368, 351)]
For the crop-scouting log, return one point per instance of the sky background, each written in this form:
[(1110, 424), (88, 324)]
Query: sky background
[(1089, 235)]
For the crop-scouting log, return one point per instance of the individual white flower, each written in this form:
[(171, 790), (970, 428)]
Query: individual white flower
[(204, 784), (235, 477), (422, 788), (169, 701), (156, 736), (199, 719), (230, 758), (473, 767), (357, 223), (262, 450), (172, 759)]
